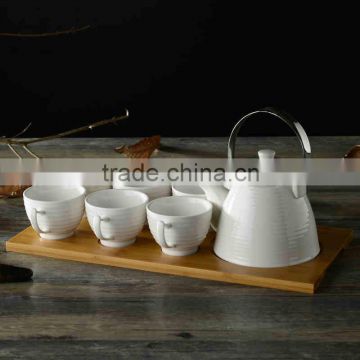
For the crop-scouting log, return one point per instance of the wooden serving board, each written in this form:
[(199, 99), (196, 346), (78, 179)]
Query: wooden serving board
[(146, 255)]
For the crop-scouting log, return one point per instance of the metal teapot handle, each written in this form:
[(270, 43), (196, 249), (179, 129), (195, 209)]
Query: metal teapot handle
[(288, 119)]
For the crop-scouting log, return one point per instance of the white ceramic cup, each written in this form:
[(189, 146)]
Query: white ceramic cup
[(153, 190), (116, 217), (188, 190), (90, 189), (179, 223), (54, 211)]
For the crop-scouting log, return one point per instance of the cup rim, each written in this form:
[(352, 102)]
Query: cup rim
[(141, 187), (176, 188), (138, 193), (183, 198), (117, 183), (83, 192)]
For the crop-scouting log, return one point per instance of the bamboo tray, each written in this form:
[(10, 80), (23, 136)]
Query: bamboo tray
[(146, 255)]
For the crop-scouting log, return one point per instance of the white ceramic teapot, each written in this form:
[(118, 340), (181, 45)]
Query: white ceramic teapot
[(264, 225)]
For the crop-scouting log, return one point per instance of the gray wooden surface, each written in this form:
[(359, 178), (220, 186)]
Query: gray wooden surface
[(86, 311)]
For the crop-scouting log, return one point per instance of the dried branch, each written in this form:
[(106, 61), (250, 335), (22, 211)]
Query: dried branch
[(11, 142), (14, 151), (23, 131), (46, 34), (30, 152)]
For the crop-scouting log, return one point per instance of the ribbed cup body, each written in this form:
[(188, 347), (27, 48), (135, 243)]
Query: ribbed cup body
[(58, 217), (184, 232), (179, 223), (121, 224)]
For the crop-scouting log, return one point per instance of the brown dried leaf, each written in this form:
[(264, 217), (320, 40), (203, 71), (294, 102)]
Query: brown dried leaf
[(354, 152), (12, 191), (142, 149)]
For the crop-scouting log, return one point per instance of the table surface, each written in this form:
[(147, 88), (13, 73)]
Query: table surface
[(88, 311)]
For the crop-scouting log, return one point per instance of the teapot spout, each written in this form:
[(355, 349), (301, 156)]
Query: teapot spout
[(216, 194)]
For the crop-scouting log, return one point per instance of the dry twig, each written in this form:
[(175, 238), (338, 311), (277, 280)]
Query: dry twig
[(24, 143), (46, 34)]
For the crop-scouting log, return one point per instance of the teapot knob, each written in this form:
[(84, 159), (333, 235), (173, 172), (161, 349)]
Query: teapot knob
[(266, 154), (266, 163)]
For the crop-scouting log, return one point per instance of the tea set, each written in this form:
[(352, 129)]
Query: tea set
[(257, 226)]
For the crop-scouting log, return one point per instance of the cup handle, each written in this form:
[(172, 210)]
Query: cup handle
[(34, 222), (161, 234), (97, 227)]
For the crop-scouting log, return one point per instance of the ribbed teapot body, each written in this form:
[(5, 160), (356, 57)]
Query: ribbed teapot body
[(266, 226)]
